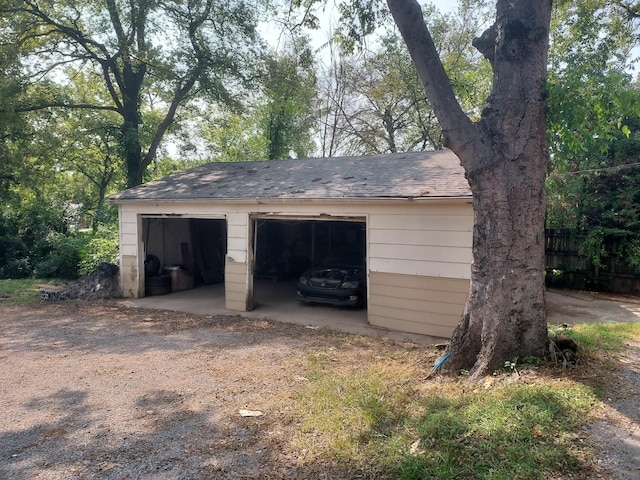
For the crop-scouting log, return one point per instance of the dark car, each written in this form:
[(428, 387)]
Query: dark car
[(339, 281)]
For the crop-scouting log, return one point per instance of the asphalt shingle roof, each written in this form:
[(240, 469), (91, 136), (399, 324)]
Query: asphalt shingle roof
[(402, 175)]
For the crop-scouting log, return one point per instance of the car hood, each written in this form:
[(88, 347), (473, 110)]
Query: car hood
[(334, 275)]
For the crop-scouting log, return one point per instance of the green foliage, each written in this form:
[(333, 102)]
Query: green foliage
[(23, 291), (235, 138), (140, 62), (99, 246), (599, 240), (279, 123), (38, 241), (515, 432), (22, 230), (594, 132), (41, 240), (289, 89), (58, 256), (631, 252), (377, 415), (360, 19)]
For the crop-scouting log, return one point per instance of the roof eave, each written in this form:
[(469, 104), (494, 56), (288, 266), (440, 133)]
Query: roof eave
[(263, 200)]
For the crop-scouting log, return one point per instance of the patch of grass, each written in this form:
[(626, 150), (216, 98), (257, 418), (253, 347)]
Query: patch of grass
[(376, 415), (510, 432), (23, 291), (595, 339), (359, 413)]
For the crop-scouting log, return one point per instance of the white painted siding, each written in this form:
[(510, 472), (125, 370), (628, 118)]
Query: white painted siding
[(416, 304), (419, 253), (432, 241), (130, 263), (237, 237)]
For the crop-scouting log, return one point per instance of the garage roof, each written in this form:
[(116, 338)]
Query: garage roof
[(402, 175)]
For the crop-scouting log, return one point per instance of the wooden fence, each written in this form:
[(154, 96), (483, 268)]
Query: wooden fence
[(567, 268)]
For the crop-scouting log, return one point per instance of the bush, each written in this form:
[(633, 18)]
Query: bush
[(100, 246), (31, 234), (38, 240), (12, 257), (59, 256)]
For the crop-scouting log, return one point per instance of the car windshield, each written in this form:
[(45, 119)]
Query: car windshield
[(344, 257)]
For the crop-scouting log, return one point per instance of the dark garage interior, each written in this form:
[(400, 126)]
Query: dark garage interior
[(183, 253), (286, 248)]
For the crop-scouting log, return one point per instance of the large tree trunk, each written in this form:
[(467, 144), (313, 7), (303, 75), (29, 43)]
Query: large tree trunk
[(132, 150), (130, 129), (504, 317), (505, 157)]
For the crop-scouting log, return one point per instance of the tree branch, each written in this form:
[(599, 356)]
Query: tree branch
[(70, 32), (486, 44), (168, 120), (458, 130), (70, 106)]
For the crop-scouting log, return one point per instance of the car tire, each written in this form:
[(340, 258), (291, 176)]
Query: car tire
[(158, 285), (151, 265)]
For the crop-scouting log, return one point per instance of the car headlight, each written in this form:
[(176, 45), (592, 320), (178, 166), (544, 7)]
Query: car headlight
[(303, 281), (352, 284)]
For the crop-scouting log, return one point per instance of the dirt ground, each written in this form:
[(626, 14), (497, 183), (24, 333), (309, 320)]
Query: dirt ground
[(99, 390)]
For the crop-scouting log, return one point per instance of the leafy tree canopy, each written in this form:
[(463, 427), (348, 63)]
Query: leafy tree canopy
[(146, 56), (593, 121)]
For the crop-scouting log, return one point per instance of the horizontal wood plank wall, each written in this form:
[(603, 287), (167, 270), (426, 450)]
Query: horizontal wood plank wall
[(236, 286), (128, 233), (130, 279), (237, 237), (416, 304), (129, 276), (431, 241)]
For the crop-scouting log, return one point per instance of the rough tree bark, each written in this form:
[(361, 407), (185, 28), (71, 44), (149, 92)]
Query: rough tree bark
[(505, 157)]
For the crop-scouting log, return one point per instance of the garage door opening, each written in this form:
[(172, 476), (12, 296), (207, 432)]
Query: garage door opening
[(182, 253), (284, 249)]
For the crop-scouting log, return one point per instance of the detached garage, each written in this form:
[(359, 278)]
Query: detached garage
[(409, 214)]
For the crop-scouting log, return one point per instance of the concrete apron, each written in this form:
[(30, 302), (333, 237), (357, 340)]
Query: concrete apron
[(276, 301)]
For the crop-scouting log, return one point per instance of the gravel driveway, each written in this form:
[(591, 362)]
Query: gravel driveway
[(99, 390), (102, 391)]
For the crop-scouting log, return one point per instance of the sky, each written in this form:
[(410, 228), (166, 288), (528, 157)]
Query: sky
[(332, 14), (329, 20)]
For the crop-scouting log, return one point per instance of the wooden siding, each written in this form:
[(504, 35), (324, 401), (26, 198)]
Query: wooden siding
[(418, 252), (131, 279), (434, 241), (416, 304), (237, 236), (129, 244), (237, 291), (129, 236), (129, 282)]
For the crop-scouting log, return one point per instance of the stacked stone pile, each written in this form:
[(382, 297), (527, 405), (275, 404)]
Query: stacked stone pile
[(102, 283)]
